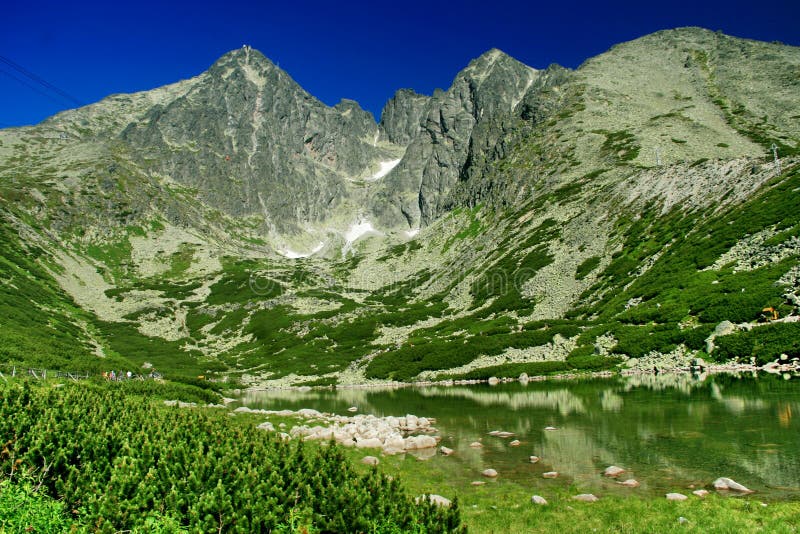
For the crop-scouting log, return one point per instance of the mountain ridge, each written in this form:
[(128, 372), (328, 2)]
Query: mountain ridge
[(232, 225)]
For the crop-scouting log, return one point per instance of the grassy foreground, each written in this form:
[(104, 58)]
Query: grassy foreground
[(503, 506)]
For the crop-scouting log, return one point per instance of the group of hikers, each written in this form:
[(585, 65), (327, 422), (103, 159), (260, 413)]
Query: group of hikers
[(127, 375)]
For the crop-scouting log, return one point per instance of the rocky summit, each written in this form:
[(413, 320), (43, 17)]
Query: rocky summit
[(637, 213)]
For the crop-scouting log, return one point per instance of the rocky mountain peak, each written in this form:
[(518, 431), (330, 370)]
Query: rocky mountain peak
[(244, 56), (401, 116)]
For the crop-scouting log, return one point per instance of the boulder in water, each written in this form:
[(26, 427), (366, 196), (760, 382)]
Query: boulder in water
[(613, 471), (727, 484)]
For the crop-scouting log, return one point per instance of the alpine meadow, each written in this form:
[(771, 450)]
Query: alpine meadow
[(636, 216)]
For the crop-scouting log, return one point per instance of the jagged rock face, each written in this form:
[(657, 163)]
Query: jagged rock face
[(253, 142), (401, 117), (488, 90), (537, 105)]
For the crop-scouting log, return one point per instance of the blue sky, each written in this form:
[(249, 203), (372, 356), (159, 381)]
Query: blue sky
[(359, 50)]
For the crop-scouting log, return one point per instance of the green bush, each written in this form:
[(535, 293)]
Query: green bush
[(637, 341), (586, 267), (123, 462), (433, 354), (593, 362), (695, 338), (765, 343), (515, 369), (586, 350)]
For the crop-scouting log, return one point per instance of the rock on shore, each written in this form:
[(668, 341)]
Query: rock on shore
[(393, 435)]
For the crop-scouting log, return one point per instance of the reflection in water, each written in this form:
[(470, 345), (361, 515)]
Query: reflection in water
[(668, 431), (610, 401), (684, 383), (784, 414), (561, 400)]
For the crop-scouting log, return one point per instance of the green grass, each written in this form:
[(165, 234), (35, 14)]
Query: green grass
[(180, 261), (515, 263), (41, 326), (619, 146), (23, 508), (503, 505)]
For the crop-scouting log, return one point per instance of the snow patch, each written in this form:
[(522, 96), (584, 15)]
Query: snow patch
[(357, 230), (291, 254), (532, 75), (386, 167), (412, 232)]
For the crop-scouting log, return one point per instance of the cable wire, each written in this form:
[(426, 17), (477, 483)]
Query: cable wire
[(32, 87), (41, 81)]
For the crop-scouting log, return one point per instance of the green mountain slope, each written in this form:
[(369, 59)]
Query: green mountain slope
[(522, 221)]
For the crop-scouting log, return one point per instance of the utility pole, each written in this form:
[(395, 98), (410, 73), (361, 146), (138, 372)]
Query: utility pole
[(774, 148)]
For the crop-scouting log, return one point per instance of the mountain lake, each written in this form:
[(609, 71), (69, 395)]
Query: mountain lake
[(669, 432)]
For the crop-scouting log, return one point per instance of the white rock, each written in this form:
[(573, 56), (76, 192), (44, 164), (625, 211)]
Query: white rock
[(534, 459), (446, 451), (550, 474), (613, 471), (476, 445), (352, 409), (412, 422), (676, 497), (724, 328), (369, 443), (493, 380), (269, 427), (524, 378), (370, 460), (478, 483), (515, 443), (489, 473), (438, 500), (700, 493), (538, 499), (723, 483), (550, 428), (419, 442), (394, 444), (585, 497), (343, 437), (423, 454), (682, 520), (630, 483)]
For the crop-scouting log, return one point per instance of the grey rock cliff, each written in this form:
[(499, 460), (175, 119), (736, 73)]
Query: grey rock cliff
[(401, 116), (253, 142), (488, 90)]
